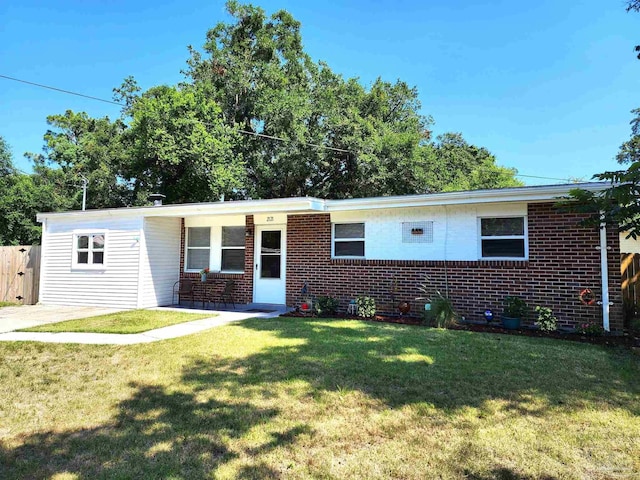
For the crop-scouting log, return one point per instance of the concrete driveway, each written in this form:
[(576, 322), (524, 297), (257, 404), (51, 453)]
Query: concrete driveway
[(25, 316)]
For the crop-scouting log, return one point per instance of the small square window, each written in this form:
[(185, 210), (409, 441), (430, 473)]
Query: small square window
[(348, 240), (89, 250), (503, 237)]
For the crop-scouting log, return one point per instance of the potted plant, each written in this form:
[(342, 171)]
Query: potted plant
[(515, 309), (203, 274)]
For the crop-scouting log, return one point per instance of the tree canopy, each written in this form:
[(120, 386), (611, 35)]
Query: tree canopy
[(256, 117)]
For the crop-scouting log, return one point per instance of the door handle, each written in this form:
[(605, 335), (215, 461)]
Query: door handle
[(256, 266)]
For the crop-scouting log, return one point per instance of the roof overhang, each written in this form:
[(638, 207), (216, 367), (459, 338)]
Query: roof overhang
[(301, 205)]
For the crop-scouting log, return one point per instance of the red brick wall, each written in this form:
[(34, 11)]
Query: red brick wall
[(563, 259), (243, 292)]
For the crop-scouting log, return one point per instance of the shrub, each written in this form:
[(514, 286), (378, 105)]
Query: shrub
[(327, 305), (515, 307), (546, 320), (591, 329), (443, 314), (365, 306)]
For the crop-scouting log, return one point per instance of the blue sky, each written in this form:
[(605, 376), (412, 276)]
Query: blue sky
[(546, 86)]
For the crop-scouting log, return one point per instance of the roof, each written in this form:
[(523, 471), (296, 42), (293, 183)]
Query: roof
[(538, 193)]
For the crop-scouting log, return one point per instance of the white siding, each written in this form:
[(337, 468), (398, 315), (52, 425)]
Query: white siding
[(628, 245), (116, 285), (455, 230), (160, 261)]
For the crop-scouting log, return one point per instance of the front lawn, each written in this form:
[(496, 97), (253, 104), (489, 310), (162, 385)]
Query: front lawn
[(129, 321), (316, 398)]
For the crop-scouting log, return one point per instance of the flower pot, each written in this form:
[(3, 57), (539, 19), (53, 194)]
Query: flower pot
[(203, 277), (510, 323)]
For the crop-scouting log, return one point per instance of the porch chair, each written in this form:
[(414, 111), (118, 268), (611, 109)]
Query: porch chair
[(226, 295), (184, 288)]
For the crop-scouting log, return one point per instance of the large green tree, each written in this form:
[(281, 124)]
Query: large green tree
[(178, 145), (22, 196), (309, 131), (81, 147)]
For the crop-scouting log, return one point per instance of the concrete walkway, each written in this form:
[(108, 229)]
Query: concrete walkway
[(172, 331)]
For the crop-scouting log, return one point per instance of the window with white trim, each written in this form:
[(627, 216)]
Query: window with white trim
[(348, 240), (198, 248), (503, 237), (232, 249), (89, 250)]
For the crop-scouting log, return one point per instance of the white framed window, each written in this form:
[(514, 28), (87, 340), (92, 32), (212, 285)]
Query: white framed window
[(198, 251), (89, 250), (348, 240), (232, 249), (503, 238)]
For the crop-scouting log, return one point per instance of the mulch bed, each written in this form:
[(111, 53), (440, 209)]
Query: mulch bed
[(609, 340)]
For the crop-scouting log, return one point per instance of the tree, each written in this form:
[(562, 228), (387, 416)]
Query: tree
[(306, 130), (81, 146), (22, 196), (453, 164), (178, 145)]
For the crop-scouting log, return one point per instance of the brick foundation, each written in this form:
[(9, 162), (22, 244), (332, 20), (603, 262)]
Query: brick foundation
[(563, 259)]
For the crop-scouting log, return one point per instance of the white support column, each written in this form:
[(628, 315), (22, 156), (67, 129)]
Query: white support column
[(604, 270)]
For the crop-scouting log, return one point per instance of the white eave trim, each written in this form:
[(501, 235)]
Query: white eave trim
[(241, 207), (543, 193)]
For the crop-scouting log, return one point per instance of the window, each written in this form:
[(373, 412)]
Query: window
[(232, 258), (503, 237), (348, 240), (89, 250), (198, 247)]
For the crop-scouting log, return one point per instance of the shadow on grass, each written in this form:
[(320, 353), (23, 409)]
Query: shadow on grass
[(448, 369), (156, 434), (160, 433)]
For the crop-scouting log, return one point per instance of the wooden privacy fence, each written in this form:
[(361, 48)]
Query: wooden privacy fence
[(630, 271), (20, 274)]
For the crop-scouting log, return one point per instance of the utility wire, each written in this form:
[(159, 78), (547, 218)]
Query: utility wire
[(544, 178), (60, 90), (246, 132)]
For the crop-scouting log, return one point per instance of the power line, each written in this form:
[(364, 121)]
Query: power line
[(544, 178), (60, 90), (246, 132)]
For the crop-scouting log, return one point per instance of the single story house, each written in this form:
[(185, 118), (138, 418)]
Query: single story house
[(478, 245)]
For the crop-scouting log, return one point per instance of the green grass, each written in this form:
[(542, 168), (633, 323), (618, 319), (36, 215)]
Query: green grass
[(130, 321), (315, 398), (8, 304)]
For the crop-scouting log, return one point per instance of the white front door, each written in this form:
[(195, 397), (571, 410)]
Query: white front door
[(269, 284)]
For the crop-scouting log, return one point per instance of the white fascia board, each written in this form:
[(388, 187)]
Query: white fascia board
[(542, 193), (244, 207)]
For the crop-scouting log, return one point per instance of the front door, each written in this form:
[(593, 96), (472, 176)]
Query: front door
[(269, 264)]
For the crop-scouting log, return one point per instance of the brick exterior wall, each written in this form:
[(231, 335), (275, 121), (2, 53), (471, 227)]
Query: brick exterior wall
[(563, 259), (243, 292)]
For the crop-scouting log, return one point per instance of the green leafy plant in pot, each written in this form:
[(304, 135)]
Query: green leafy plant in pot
[(515, 309)]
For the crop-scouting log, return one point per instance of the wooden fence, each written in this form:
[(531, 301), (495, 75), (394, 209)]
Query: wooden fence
[(20, 274), (630, 271)]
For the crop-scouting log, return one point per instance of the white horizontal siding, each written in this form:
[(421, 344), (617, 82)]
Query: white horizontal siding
[(114, 286), (160, 261), (455, 230), (628, 245)]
